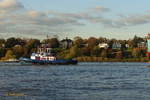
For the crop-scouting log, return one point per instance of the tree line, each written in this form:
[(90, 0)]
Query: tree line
[(81, 49)]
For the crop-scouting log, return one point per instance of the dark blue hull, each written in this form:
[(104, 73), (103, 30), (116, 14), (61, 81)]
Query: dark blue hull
[(45, 62)]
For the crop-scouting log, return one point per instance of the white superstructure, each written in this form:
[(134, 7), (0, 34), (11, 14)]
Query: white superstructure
[(43, 53)]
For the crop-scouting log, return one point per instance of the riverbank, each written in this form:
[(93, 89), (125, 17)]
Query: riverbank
[(100, 59), (9, 60)]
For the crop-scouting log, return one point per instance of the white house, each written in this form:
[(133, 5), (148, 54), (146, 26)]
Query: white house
[(141, 45), (103, 45), (116, 45)]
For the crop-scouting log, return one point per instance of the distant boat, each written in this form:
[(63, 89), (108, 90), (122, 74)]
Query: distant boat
[(44, 56)]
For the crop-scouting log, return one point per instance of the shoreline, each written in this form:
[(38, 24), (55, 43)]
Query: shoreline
[(99, 59), (92, 59), (106, 60)]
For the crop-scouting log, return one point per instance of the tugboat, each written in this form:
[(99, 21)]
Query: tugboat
[(44, 56)]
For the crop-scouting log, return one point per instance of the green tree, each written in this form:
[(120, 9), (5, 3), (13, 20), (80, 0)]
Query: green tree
[(2, 52), (31, 46), (33, 43), (2, 41), (11, 42), (137, 40), (73, 52)]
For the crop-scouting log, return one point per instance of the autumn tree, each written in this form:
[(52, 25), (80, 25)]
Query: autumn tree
[(103, 53), (102, 40), (95, 51), (18, 51), (86, 51), (136, 52), (9, 55), (79, 42), (73, 52), (92, 41)]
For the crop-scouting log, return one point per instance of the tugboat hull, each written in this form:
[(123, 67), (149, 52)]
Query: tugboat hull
[(46, 62)]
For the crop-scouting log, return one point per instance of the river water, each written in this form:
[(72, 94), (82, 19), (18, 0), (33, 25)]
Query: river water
[(85, 81)]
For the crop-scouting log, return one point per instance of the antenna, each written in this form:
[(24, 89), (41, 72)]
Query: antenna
[(47, 36)]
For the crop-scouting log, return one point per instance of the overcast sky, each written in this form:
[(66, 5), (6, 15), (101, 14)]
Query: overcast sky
[(120, 19)]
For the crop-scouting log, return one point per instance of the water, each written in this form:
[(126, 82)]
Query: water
[(85, 81)]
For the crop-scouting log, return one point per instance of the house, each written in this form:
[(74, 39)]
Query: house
[(116, 45), (141, 45), (84, 45), (103, 45), (66, 43), (127, 45), (2, 45)]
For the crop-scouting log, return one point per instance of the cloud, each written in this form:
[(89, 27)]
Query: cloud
[(100, 9), (35, 14), (131, 20), (10, 5), (14, 19)]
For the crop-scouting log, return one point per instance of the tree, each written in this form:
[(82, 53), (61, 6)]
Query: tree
[(73, 52), (92, 42), (86, 51), (31, 44), (123, 45), (53, 42), (102, 40), (2, 41), (136, 52), (2, 52), (137, 40), (18, 51), (21, 42), (11, 42), (9, 55), (104, 53), (95, 51), (110, 43), (79, 42)]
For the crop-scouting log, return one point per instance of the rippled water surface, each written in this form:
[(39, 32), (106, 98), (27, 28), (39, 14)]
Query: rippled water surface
[(85, 81)]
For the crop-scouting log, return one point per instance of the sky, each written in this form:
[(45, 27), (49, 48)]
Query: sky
[(120, 19)]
